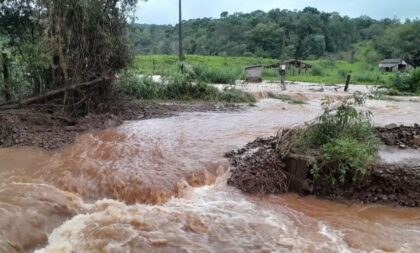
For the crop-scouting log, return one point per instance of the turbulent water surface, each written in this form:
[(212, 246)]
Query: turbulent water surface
[(160, 186)]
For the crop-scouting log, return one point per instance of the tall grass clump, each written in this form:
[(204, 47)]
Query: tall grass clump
[(368, 77), (214, 75), (270, 74), (343, 140)]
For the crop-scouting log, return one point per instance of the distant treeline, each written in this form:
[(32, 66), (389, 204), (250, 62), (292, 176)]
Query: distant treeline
[(283, 34)]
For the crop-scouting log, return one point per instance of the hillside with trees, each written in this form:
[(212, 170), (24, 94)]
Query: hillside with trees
[(306, 34)]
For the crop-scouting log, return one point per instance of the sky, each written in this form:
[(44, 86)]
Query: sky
[(166, 11)]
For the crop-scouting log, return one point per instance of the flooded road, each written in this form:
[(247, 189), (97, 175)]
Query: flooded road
[(160, 186)]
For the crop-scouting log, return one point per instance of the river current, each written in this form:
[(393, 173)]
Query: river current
[(160, 186)]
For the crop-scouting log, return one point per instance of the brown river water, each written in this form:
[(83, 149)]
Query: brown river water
[(160, 186)]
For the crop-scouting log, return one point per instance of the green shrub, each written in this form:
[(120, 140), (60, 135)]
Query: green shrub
[(344, 139), (178, 87), (348, 158), (141, 87), (221, 76), (409, 82), (317, 71)]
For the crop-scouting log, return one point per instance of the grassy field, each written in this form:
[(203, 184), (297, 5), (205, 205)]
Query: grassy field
[(327, 71), (334, 72), (160, 64)]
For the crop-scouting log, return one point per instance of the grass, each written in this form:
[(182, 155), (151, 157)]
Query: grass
[(214, 75), (334, 72), (222, 69), (332, 69), (159, 64)]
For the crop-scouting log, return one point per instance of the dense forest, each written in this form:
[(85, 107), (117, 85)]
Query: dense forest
[(306, 34)]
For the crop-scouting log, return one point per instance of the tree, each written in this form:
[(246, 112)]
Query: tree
[(401, 41), (65, 42), (409, 41), (268, 38)]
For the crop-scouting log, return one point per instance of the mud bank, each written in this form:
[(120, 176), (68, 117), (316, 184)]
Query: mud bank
[(401, 136), (27, 127), (258, 169)]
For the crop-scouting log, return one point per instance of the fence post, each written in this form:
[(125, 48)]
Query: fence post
[(347, 83)]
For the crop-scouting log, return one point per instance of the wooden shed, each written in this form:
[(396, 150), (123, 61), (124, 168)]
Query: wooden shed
[(253, 73), (300, 65), (394, 65)]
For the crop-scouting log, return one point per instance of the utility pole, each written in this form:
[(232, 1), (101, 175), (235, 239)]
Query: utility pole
[(181, 54)]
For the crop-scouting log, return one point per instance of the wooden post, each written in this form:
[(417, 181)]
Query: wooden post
[(347, 83)]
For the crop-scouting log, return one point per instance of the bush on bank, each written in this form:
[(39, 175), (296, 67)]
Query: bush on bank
[(343, 139), (180, 88), (407, 82)]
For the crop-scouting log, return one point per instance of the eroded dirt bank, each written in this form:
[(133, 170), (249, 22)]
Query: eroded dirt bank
[(395, 179), (28, 127)]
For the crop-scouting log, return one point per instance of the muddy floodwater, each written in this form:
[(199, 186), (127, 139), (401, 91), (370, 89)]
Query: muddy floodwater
[(160, 186)]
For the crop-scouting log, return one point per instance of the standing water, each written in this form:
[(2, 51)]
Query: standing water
[(160, 186)]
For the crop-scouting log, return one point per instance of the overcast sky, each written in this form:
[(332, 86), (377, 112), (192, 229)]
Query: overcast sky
[(166, 11)]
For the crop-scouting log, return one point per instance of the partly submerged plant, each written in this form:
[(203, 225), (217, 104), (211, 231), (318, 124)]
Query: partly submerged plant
[(343, 139)]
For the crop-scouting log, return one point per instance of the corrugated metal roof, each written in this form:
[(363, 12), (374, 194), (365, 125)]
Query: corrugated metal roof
[(382, 65), (391, 61), (252, 67)]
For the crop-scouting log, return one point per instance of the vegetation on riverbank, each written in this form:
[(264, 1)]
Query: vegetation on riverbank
[(178, 87), (407, 82), (342, 139)]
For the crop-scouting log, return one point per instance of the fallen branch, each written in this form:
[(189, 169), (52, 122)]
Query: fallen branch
[(49, 94)]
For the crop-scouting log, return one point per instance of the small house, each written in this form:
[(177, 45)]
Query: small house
[(300, 65), (394, 65), (253, 73)]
